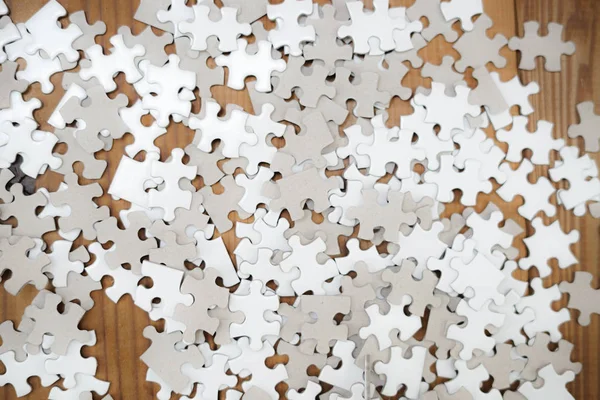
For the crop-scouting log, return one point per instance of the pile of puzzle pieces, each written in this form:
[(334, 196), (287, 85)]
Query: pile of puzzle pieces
[(414, 290)]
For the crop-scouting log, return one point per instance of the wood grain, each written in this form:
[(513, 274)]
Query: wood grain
[(119, 326)]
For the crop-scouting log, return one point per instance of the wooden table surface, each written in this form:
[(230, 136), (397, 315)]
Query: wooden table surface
[(119, 326)]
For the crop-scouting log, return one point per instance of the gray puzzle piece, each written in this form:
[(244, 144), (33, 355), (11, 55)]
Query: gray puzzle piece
[(9, 84), (92, 167), (154, 44), (25, 270), (294, 190), (84, 211), (532, 45), (101, 115), (323, 330), (300, 358), (327, 49), (196, 62), (88, 39), (218, 206), (23, 208), (477, 49), (364, 90), (308, 83)]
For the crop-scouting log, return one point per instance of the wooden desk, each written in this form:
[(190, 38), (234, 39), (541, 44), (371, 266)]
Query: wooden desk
[(119, 327)]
